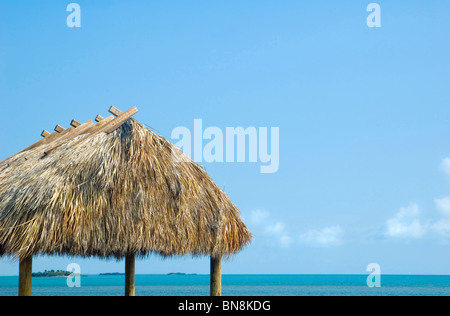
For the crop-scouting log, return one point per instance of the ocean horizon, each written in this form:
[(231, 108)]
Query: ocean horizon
[(237, 285)]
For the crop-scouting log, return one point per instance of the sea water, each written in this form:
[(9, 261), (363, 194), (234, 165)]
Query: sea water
[(237, 285)]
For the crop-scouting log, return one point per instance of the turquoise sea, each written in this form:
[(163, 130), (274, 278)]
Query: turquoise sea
[(237, 285)]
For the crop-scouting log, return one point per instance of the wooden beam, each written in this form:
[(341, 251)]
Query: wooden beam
[(53, 137), (94, 129), (75, 123), (59, 129), (216, 277), (56, 139), (75, 132), (25, 269), (129, 275), (40, 144), (115, 111), (45, 133), (99, 118), (118, 121)]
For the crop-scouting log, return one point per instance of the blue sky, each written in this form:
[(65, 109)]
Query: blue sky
[(363, 115)]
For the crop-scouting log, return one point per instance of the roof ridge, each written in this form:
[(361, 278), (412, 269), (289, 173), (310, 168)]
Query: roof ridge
[(90, 130), (54, 140), (110, 124)]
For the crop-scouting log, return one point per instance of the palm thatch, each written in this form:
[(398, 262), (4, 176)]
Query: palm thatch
[(109, 190)]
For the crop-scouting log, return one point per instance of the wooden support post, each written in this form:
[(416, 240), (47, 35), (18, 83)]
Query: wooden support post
[(25, 268), (216, 277), (129, 275)]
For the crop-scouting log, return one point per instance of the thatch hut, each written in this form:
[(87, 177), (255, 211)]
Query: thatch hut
[(113, 189)]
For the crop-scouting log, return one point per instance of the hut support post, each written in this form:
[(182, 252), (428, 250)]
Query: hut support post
[(129, 275), (25, 270), (216, 276)]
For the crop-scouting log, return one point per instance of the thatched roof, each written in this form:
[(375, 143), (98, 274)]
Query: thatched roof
[(111, 189)]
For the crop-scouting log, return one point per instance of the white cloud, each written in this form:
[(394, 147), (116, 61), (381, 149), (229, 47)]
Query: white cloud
[(445, 165), (325, 237), (258, 216), (443, 205), (442, 227), (406, 224), (285, 240), (276, 231)]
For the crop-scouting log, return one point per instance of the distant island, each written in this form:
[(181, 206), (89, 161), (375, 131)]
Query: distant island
[(51, 273), (180, 273), (62, 273), (172, 273)]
